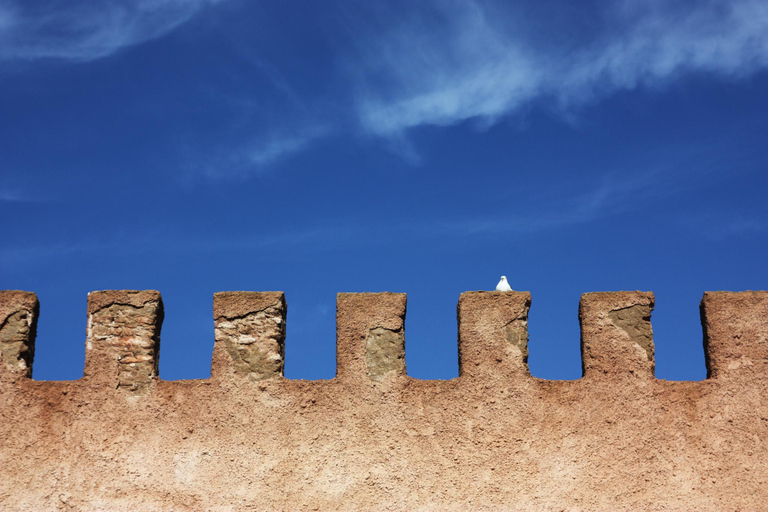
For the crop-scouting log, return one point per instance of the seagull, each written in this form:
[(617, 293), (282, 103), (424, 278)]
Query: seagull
[(503, 285)]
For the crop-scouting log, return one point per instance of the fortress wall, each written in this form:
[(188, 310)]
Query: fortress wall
[(373, 438)]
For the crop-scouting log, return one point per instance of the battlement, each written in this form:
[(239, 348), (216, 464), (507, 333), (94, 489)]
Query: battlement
[(123, 335), (373, 437)]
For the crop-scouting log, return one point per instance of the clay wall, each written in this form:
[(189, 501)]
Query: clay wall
[(372, 438)]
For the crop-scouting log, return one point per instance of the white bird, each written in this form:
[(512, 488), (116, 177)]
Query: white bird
[(503, 285)]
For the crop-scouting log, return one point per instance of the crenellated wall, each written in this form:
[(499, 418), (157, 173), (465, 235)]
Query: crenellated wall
[(372, 438)]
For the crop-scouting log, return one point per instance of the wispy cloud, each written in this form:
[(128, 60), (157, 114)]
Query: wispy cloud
[(169, 240), (10, 196), (7, 20), (608, 197), (436, 62), (724, 225), (271, 150), (441, 63), (611, 195), (637, 188), (475, 63), (82, 30), (256, 156), (15, 195)]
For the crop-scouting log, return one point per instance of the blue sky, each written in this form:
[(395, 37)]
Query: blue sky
[(195, 146)]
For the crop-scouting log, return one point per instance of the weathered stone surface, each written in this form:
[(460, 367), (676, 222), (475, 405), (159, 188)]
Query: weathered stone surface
[(250, 327), (735, 332), (18, 323), (370, 331), (495, 438), (123, 340), (384, 352), (493, 334), (616, 334)]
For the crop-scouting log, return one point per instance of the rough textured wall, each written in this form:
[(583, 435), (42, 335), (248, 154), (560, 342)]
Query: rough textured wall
[(374, 439)]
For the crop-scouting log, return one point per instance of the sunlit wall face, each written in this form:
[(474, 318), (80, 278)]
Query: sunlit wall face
[(426, 148)]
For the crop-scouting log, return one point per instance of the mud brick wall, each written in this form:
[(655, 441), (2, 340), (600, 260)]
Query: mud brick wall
[(373, 438)]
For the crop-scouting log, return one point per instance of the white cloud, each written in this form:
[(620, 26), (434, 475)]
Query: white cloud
[(253, 157), (478, 65), (637, 189), (725, 38), (723, 225), (267, 152), (10, 196), (169, 239), (83, 31), (438, 65), (611, 196), (7, 20), (14, 195)]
